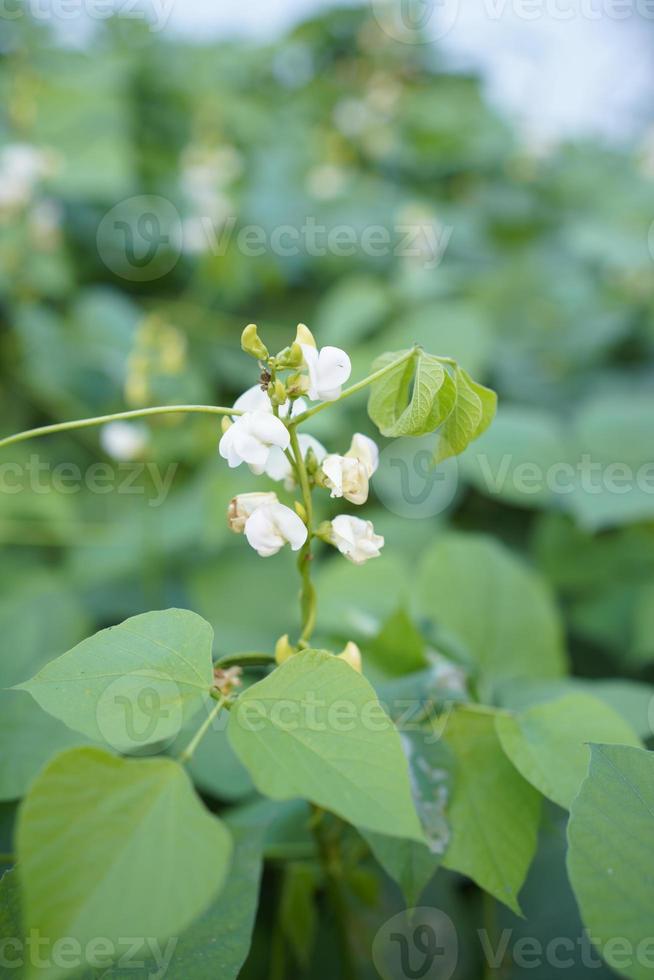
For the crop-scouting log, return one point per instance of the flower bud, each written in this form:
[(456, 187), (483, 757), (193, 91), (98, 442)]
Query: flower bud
[(252, 344), (304, 336), (300, 510), (297, 384), (355, 538), (277, 393), (243, 506), (290, 357), (225, 423), (283, 649), (352, 656)]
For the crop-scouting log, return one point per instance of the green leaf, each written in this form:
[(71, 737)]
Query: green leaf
[(548, 743), (398, 648), (29, 737), (315, 729), (476, 590), (494, 813), (610, 855), (116, 847), (131, 685), (474, 410), (414, 398), (217, 944)]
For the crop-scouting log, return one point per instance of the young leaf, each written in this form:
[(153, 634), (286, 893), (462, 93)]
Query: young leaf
[(494, 813), (115, 847), (422, 394), (413, 399), (548, 743), (131, 685), (315, 729), (474, 410), (610, 853)]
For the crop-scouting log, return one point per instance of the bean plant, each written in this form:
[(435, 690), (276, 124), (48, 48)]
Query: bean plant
[(112, 838)]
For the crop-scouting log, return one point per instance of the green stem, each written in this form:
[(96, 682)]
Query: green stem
[(7, 858), (308, 592), (137, 413), (245, 660), (189, 751), (352, 390), (332, 866)]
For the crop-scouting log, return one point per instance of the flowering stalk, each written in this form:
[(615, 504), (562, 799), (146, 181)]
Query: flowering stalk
[(308, 592)]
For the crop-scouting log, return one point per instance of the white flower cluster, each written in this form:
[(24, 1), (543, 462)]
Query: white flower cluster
[(259, 436)]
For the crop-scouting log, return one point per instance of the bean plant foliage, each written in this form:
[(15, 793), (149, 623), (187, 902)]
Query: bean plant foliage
[(112, 837)]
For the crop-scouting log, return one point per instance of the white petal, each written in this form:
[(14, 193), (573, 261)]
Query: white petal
[(253, 400), (290, 526), (308, 442), (262, 534), (366, 450), (277, 465), (334, 368), (268, 429)]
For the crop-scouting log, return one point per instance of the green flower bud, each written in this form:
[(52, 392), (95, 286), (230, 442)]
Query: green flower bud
[(278, 393), (252, 344)]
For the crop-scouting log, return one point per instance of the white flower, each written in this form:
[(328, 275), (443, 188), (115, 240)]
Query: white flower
[(272, 526), (256, 400), (355, 538), (243, 506), (124, 441), (250, 438), (329, 369), (278, 466), (349, 476)]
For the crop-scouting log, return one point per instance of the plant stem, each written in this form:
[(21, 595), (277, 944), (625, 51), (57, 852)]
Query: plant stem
[(246, 660), (331, 864), (308, 592), (352, 390), (136, 413), (189, 751), (7, 858)]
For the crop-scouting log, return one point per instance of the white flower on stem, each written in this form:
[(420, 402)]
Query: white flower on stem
[(250, 438), (272, 526), (349, 476), (257, 400), (278, 466), (329, 368), (124, 441), (243, 506), (355, 538)]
